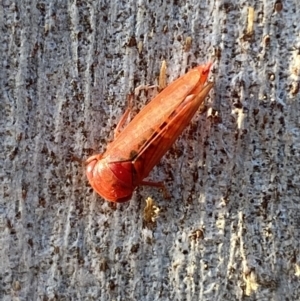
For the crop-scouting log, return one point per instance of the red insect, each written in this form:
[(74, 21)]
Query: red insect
[(139, 147)]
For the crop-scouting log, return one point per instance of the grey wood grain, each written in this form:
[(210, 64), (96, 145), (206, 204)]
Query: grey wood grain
[(231, 228)]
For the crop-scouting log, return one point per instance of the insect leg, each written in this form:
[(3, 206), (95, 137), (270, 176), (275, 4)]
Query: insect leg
[(158, 185), (124, 117), (143, 87)]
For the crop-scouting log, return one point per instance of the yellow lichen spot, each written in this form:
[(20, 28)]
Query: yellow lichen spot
[(250, 21), (151, 211), (295, 67), (297, 270), (188, 44), (295, 88), (162, 76), (251, 283), (140, 46)]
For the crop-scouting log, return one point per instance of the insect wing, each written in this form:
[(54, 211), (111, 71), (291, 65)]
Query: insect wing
[(148, 121), (162, 139)]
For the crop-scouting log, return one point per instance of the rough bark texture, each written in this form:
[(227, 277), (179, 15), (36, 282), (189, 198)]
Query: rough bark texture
[(231, 228)]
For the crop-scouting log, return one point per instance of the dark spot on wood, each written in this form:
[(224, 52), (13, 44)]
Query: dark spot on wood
[(132, 42), (135, 248), (278, 6)]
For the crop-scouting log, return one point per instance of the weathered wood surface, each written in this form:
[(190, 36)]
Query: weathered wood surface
[(231, 228)]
